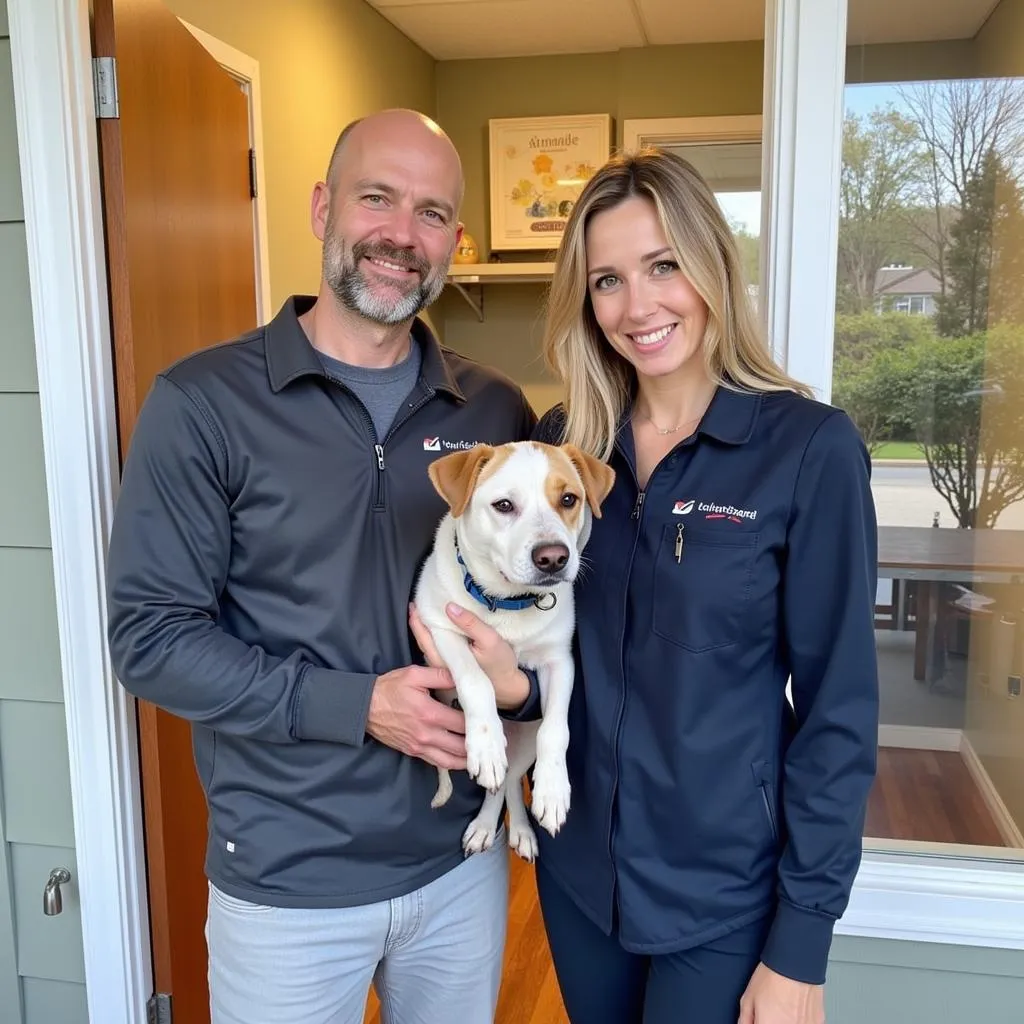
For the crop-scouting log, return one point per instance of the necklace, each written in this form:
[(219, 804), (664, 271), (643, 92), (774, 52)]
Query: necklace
[(670, 430)]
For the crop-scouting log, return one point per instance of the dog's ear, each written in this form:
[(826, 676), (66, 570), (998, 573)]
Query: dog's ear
[(597, 476), (454, 476)]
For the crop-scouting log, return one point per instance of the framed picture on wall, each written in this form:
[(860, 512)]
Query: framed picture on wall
[(538, 167)]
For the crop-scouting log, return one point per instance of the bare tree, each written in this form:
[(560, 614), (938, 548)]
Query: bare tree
[(882, 163), (960, 122)]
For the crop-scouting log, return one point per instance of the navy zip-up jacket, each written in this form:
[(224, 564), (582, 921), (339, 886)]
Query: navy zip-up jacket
[(702, 799)]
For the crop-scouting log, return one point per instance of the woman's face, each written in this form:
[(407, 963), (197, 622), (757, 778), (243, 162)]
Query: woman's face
[(649, 312)]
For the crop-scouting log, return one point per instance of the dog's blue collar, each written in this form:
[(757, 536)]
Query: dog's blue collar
[(545, 602)]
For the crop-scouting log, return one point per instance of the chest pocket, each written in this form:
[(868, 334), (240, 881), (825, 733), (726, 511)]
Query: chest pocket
[(701, 586)]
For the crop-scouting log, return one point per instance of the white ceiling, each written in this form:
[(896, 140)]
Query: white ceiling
[(456, 29)]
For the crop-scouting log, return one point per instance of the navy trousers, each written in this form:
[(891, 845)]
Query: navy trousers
[(601, 983)]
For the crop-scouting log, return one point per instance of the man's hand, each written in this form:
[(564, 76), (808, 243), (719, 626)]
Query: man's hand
[(492, 653), (771, 998), (404, 715)]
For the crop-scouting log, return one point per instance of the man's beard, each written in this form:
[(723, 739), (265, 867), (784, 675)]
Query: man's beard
[(343, 272)]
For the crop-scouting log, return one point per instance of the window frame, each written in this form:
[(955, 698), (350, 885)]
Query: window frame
[(920, 892)]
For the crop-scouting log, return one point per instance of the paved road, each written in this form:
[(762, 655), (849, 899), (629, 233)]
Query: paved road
[(900, 474), (904, 496)]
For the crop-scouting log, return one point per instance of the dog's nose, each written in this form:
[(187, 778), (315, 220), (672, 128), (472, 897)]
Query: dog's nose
[(550, 558)]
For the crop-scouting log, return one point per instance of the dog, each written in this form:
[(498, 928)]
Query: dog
[(508, 549)]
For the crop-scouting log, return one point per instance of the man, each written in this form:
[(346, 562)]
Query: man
[(274, 510)]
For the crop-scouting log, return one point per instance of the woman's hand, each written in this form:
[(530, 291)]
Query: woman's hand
[(492, 653), (771, 998)]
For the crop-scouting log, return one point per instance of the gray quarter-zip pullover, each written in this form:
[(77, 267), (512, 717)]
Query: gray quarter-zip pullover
[(263, 554)]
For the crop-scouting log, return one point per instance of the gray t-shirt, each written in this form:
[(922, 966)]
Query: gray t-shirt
[(383, 390)]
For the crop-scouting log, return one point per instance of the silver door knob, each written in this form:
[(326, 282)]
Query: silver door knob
[(53, 904)]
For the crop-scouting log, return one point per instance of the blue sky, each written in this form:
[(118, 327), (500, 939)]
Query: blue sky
[(857, 99), (860, 99)]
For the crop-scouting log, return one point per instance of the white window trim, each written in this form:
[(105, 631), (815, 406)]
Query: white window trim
[(897, 895), (805, 60), (901, 892), (247, 70), (672, 131), (53, 93)]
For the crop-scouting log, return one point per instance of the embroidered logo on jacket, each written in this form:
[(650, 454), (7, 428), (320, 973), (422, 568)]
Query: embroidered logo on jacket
[(712, 511), (436, 444)]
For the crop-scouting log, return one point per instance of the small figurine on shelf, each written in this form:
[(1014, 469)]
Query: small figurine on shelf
[(466, 251)]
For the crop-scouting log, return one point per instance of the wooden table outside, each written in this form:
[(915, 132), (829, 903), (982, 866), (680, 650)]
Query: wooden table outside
[(928, 557)]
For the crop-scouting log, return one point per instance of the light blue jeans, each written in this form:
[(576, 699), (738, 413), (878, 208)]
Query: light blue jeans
[(433, 956)]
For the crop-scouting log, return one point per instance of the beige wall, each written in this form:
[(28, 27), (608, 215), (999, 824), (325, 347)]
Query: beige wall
[(909, 62), (322, 63), (663, 81), (659, 81), (995, 721), (1000, 44)]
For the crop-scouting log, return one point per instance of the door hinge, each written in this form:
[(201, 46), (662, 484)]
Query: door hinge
[(158, 1009), (104, 81), (252, 173)]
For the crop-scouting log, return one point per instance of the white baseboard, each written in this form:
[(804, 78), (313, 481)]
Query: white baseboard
[(920, 737), (1004, 820)]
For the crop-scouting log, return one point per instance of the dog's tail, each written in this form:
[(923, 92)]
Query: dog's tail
[(444, 788)]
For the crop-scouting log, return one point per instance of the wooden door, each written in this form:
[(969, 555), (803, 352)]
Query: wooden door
[(179, 223)]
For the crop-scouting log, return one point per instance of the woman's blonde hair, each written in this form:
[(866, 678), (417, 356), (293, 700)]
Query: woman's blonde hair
[(598, 382)]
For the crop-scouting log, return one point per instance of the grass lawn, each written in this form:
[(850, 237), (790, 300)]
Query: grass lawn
[(899, 450)]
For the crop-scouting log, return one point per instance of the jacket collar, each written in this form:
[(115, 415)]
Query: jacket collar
[(731, 416), (291, 356)]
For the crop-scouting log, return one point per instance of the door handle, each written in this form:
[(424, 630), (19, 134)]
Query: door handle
[(53, 903)]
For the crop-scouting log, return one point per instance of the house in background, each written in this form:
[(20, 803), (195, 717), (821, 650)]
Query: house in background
[(902, 289)]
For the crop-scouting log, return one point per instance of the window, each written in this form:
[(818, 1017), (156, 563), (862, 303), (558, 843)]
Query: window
[(727, 152), (931, 186)]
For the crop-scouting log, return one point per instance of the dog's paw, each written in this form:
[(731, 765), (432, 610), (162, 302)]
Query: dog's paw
[(523, 840), (486, 757), (479, 836), (549, 802)]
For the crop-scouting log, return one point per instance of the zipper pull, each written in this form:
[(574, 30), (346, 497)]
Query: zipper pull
[(380, 457), (638, 505), (679, 543)]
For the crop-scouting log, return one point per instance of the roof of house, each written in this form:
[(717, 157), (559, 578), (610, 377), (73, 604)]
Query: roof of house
[(906, 281)]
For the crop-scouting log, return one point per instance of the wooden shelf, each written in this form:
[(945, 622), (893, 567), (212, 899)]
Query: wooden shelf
[(463, 275), (500, 273)]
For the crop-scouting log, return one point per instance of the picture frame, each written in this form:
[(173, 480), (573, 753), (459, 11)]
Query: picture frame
[(538, 167)]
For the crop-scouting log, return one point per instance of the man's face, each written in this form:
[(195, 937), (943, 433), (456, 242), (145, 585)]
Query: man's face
[(390, 225)]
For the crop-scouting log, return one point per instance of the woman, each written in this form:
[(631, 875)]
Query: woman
[(715, 828)]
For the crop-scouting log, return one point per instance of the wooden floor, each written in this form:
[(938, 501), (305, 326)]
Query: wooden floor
[(928, 796), (922, 795)]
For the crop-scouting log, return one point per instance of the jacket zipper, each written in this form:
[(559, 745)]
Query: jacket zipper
[(679, 543), (637, 513), (379, 504), (638, 508)]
